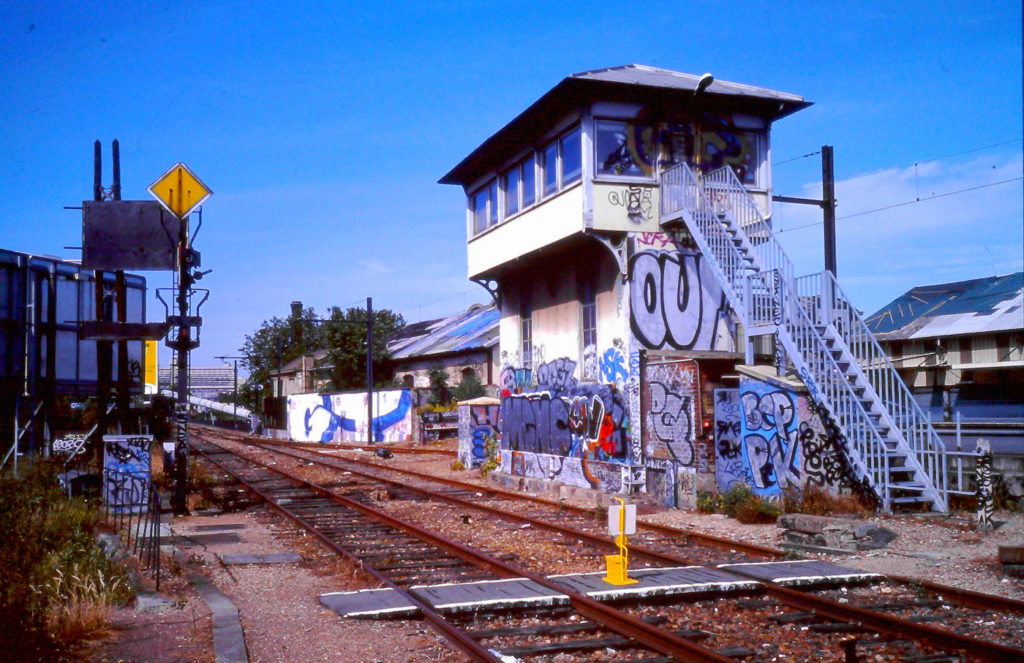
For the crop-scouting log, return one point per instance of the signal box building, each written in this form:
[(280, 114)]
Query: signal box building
[(622, 223)]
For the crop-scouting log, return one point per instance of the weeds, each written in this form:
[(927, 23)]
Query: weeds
[(51, 571), (79, 601), (814, 500), (739, 502), (493, 456)]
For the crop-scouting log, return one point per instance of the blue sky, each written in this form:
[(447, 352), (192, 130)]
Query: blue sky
[(323, 127)]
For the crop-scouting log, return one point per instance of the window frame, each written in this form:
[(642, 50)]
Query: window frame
[(612, 177), (495, 189)]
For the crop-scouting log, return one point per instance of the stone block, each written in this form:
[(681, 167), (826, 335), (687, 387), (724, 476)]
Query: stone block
[(802, 522)]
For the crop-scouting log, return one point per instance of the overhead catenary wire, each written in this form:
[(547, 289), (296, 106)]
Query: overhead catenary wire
[(909, 202)]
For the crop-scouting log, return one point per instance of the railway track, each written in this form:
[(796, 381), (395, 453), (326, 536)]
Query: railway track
[(888, 619)]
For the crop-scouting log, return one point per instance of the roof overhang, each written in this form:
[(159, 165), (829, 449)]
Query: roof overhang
[(657, 89)]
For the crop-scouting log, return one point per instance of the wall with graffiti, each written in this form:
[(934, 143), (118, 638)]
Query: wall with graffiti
[(554, 426), (675, 299), (673, 449), (342, 417), (773, 438), (478, 422)]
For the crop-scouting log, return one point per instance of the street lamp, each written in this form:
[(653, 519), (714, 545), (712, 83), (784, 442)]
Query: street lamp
[(234, 399)]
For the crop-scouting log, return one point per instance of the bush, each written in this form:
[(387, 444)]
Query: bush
[(470, 387), (741, 503), (709, 502), (493, 456), (54, 581)]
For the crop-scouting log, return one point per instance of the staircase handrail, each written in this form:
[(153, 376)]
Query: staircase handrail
[(883, 377), (682, 191), (839, 397), (734, 197)]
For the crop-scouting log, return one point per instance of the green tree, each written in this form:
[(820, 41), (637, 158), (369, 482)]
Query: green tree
[(440, 394), (470, 387), (343, 334), (345, 340), (275, 343)]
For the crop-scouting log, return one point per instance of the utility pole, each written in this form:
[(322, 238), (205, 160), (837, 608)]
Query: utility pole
[(104, 348), (827, 205), (182, 345), (369, 370), (181, 192)]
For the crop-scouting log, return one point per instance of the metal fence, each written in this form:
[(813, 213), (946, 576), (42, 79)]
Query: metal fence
[(132, 504)]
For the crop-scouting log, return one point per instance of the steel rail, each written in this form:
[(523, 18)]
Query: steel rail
[(958, 595), (801, 600), (636, 549), (967, 597), (459, 639), (991, 651), (626, 625), (711, 539)]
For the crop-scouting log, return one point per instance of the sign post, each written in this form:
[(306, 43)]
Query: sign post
[(181, 192)]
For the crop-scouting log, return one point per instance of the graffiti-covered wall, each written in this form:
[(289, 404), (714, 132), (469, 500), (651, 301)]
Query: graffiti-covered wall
[(773, 438), (675, 452), (342, 417), (675, 301), (126, 477), (555, 427), (478, 423)]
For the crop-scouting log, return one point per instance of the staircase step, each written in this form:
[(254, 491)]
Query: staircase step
[(914, 499), (908, 485)]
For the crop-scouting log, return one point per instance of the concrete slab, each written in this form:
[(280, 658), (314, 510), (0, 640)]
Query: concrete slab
[(656, 582), (220, 528), (488, 594), (524, 593), (145, 602), (228, 638), (370, 604), (261, 558), (205, 539), (800, 572)]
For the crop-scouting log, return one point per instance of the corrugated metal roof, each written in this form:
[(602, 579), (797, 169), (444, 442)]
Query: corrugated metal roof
[(991, 304), (473, 329)]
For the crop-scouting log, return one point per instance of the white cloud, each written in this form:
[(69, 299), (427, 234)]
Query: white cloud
[(935, 238)]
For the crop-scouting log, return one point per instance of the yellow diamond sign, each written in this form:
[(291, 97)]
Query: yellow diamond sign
[(180, 191)]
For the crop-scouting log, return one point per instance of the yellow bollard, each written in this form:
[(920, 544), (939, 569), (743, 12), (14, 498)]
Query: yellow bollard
[(618, 565)]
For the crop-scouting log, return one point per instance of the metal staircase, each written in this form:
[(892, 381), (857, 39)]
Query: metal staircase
[(888, 441)]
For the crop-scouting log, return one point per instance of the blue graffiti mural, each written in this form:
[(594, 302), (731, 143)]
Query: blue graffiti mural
[(567, 419), (771, 446), (613, 366), (321, 421)]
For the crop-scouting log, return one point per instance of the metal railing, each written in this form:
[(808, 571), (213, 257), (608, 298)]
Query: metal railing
[(765, 293), (731, 197), (900, 409), (682, 193), (827, 385), (132, 505)]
